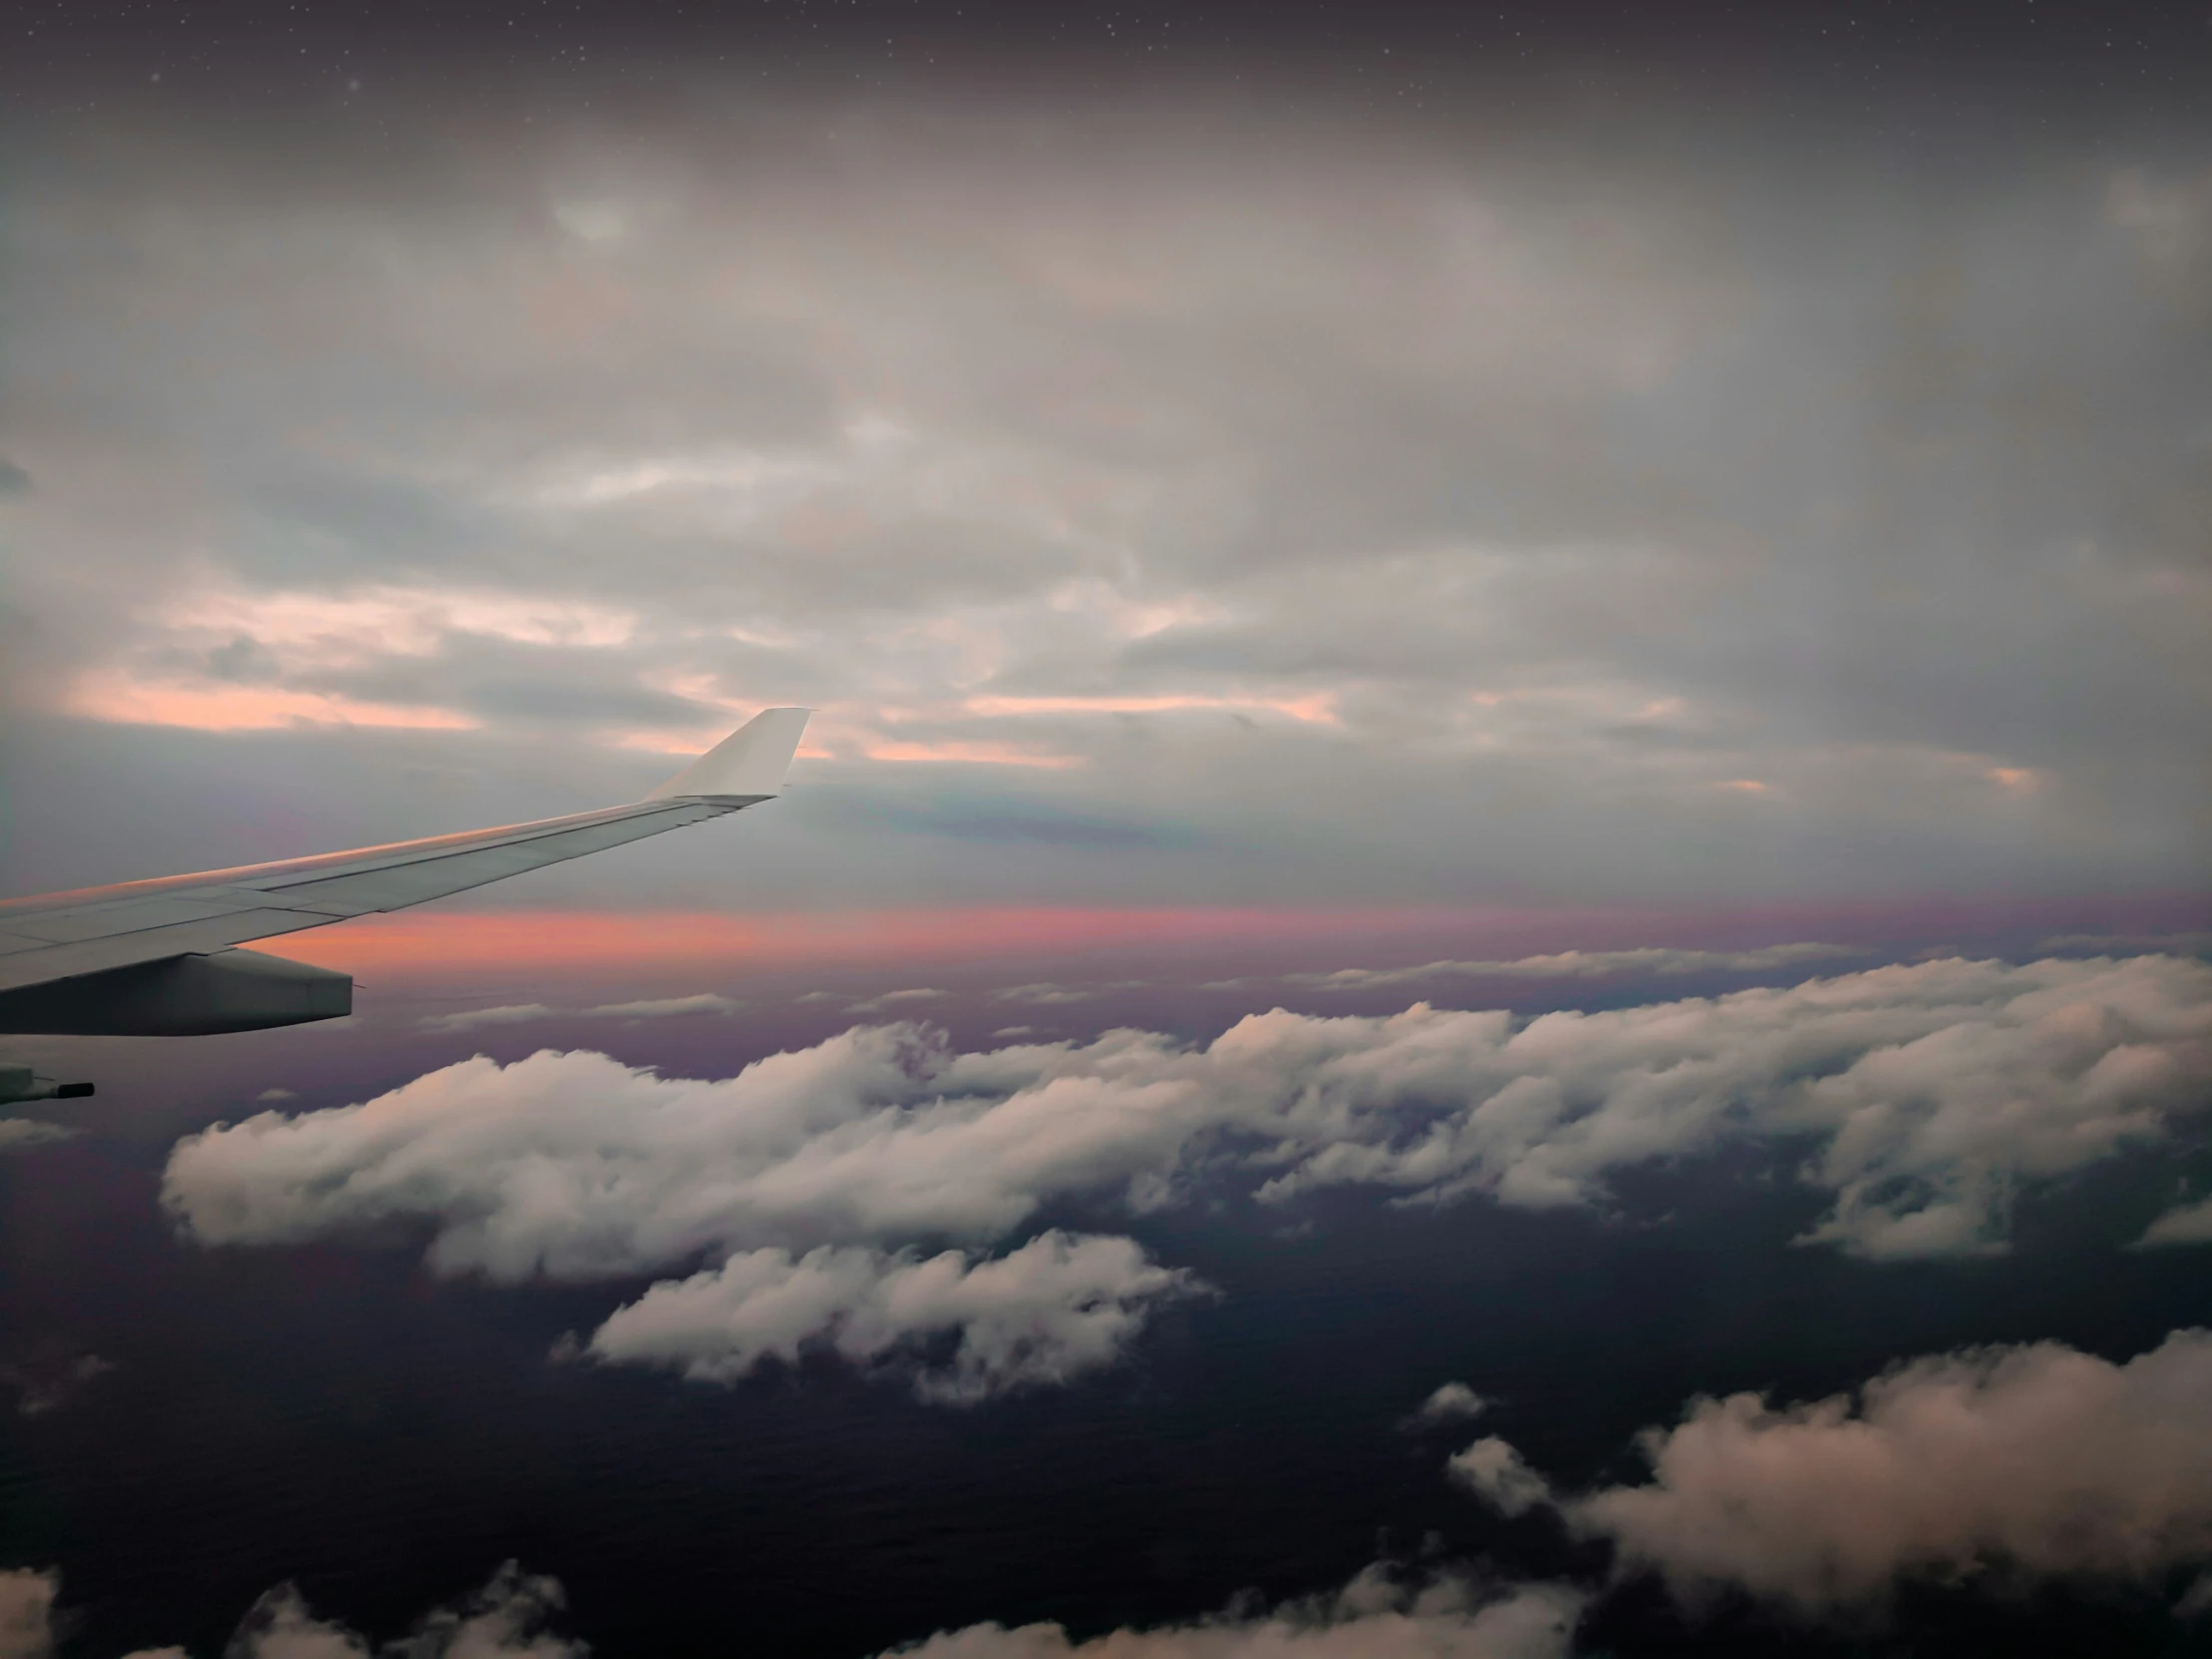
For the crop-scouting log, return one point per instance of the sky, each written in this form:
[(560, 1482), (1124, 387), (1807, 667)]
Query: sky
[(1586, 484), (1413, 612)]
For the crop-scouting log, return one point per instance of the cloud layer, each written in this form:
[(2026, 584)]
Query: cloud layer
[(2033, 1460), (1689, 506), (1920, 1097)]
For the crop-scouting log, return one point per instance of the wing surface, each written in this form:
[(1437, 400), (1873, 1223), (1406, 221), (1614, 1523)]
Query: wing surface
[(64, 936)]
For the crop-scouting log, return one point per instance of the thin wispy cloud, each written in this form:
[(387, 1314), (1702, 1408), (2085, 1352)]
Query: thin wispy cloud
[(478, 1019), (664, 1008), (897, 999), (531, 1013), (1566, 964), (2182, 943)]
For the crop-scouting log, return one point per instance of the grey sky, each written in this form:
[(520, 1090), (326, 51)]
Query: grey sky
[(1196, 500)]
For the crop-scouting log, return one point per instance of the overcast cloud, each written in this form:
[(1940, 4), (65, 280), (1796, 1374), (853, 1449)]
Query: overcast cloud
[(1169, 501)]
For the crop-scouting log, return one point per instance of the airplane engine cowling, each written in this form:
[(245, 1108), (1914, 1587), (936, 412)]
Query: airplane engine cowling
[(180, 997)]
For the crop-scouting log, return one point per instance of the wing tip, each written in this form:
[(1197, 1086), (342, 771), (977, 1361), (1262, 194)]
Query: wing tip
[(750, 761)]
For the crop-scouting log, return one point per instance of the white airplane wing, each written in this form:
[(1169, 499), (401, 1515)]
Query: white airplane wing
[(157, 958)]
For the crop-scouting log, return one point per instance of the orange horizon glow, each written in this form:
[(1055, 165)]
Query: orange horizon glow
[(432, 944), (213, 706)]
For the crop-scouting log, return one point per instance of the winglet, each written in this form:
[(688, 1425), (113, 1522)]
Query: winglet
[(750, 761)]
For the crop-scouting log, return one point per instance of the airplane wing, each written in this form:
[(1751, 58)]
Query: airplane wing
[(156, 957)]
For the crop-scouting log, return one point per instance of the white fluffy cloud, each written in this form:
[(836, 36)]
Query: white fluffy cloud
[(1050, 1311), (1371, 1618), (2184, 1224), (1923, 1096), (1496, 1473), (26, 1609), (2035, 1458), (1449, 1403), (506, 1619)]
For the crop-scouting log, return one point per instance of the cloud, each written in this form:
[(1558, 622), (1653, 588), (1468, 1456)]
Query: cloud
[(1577, 965), (1058, 1307), (530, 1013), (26, 1607), (1312, 519), (1373, 1617), (1922, 1097), (2184, 1223), (2033, 1460), (473, 1019), (894, 999), (21, 1134), (1376, 1616), (506, 1619), (1497, 1473), (44, 1382), (664, 1008), (269, 1097), (2169, 222), (1451, 1402), (2190, 943), (1043, 994)]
